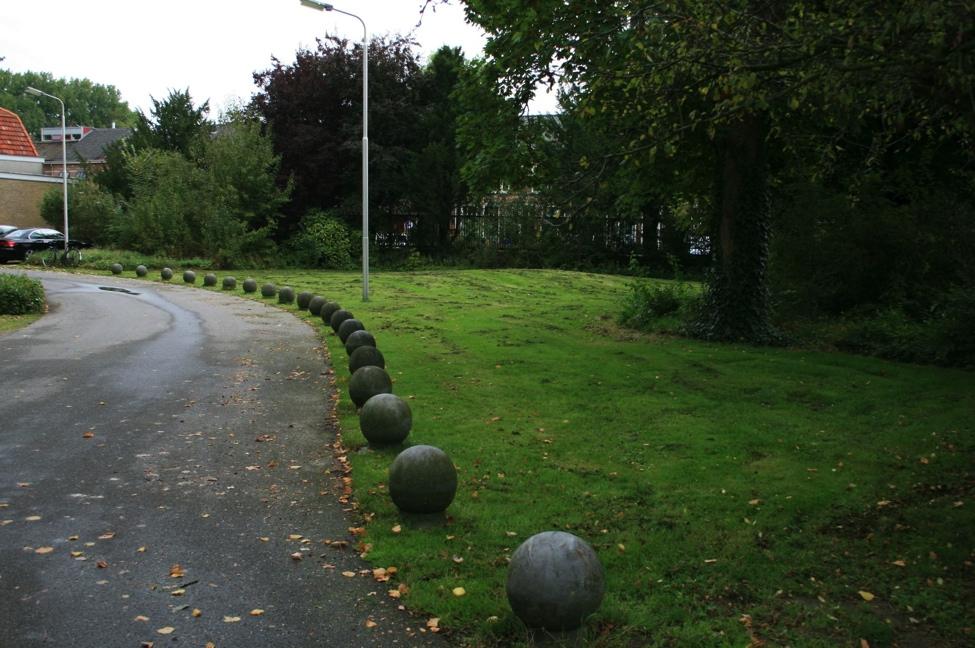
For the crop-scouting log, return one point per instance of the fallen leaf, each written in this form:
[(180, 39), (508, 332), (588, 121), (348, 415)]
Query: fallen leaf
[(295, 536), (864, 643), (256, 612), (23, 484), (197, 613), (710, 561), (755, 502), (900, 563), (866, 596), (101, 564), (264, 539), (349, 574), (434, 624), (77, 554), (176, 571), (231, 619), (141, 549), (72, 538), (459, 591), (370, 623), (178, 592), (296, 556), (32, 518), (394, 593), (210, 644), (141, 618), (380, 575), (167, 630), (108, 535), (87, 435), (43, 550), (396, 529), (458, 559)]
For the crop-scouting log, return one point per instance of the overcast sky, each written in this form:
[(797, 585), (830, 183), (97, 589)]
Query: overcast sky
[(211, 46)]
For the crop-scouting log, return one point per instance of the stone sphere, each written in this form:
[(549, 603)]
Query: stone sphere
[(357, 339), (555, 581), (315, 304), (303, 299), (286, 295), (250, 285), (209, 279), (422, 479), (368, 381), (166, 274), (339, 316), (229, 283), (328, 310), (269, 290), (346, 328), (141, 271), (116, 268), (385, 419), (366, 356), (189, 276)]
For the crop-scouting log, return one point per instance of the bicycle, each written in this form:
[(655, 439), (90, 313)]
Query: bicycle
[(55, 255)]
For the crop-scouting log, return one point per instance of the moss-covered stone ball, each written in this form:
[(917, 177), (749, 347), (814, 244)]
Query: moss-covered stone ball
[(116, 268), (250, 285), (328, 310), (346, 328), (141, 271), (357, 339), (269, 290), (229, 283), (315, 304), (286, 295), (368, 381), (189, 276), (422, 479), (385, 419), (302, 300), (209, 279), (166, 274), (555, 581), (339, 316), (366, 356)]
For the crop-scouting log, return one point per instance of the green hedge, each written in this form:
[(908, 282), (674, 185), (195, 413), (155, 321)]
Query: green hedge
[(20, 295)]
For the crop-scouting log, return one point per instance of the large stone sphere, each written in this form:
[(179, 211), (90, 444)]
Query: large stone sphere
[(229, 283), (385, 419), (339, 316), (366, 356), (422, 479), (346, 328), (303, 299), (250, 285), (209, 279), (286, 295), (141, 271), (116, 268), (357, 339), (189, 276), (269, 290), (328, 310), (368, 381), (166, 274), (555, 581), (315, 304)]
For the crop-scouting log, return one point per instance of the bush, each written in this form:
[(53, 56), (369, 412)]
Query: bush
[(93, 212), (324, 241), (20, 295), (655, 305)]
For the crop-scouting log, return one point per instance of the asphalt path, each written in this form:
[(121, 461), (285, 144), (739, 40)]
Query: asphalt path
[(167, 475)]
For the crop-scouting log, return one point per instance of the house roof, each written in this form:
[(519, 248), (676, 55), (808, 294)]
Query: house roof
[(90, 148), (14, 139)]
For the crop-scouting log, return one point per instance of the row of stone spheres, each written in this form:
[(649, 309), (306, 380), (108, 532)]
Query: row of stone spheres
[(554, 581)]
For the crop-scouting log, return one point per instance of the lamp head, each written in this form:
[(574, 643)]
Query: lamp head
[(320, 6), (34, 91)]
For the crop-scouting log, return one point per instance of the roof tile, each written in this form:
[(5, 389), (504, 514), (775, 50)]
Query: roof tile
[(14, 139)]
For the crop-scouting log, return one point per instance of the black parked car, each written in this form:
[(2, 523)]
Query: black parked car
[(6, 229), (20, 244)]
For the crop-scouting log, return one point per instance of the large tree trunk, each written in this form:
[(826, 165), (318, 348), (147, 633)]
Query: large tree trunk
[(736, 300)]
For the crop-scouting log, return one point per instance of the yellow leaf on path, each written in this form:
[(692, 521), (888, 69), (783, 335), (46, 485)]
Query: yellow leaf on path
[(395, 593), (43, 550), (178, 592), (256, 612), (459, 591), (141, 549), (866, 596), (231, 619), (32, 518), (370, 623), (108, 535), (295, 536), (296, 556), (77, 554), (167, 630), (197, 613), (262, 538), (141, 618), (349, 574), (89, 434), (176, 571)]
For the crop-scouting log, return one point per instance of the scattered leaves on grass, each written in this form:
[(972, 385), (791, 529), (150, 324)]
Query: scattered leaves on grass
[(900, 563), (396, 529), (866, 596), (433, 624), (459, 591)]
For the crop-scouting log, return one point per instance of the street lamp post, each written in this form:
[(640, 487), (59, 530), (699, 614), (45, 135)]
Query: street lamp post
[(325, 6), (64, 156)]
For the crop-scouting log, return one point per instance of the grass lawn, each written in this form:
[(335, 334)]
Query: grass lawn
[(10, 323), (735, 495)]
